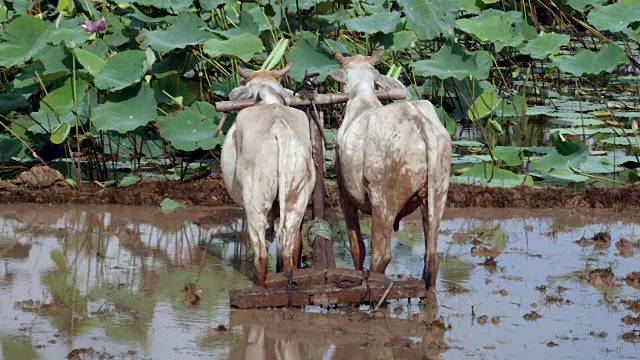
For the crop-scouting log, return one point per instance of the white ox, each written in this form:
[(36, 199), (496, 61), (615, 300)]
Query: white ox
[(266, 163), (390, 160)]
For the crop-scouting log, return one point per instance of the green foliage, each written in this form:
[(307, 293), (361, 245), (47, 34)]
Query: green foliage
[(140, 90)]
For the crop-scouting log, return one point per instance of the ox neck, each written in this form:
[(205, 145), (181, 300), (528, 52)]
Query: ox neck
[(361, 99)]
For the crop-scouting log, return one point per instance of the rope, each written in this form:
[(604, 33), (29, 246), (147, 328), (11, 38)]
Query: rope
[(319, 227), (292, 283)]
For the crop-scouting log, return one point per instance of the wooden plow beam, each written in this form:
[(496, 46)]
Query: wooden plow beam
[(324, 288)]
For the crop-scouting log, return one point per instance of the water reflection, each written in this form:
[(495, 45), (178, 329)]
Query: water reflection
[(111, 279)]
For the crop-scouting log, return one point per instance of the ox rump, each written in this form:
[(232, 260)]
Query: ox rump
[(267, 163)]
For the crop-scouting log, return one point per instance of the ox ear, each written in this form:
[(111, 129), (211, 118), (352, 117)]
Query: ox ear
[(241, 93), (386, 83), (339, 75)]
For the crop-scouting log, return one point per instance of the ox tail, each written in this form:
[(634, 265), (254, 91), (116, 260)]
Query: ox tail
[(282, 196), (428, 206)]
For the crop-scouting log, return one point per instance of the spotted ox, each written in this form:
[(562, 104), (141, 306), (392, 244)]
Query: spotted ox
[(267, 163), (391, 159)]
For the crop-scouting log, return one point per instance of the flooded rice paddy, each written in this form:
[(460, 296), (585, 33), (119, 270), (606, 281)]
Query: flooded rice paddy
[(108, 282)]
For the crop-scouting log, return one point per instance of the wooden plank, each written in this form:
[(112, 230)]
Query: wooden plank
[(308, 277), (320, 99), (323, 295)]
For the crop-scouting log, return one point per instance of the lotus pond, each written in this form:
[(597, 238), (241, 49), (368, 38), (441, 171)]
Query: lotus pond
[(538, 92), (108, 282)]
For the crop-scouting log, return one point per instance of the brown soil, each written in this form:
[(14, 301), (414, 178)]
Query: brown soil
[(485, 251), (632, 305), (630, 320), (495, 320), (532, 316), (601, 240), (631, 337), (600, 335), (601, 277), (501, 292), (482, 320), (211, 192), (633, 279), (625, 248)]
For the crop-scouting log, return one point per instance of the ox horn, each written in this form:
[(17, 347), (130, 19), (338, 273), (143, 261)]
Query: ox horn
[(245, 75), (341, 59), (284, 70), (373, 59)]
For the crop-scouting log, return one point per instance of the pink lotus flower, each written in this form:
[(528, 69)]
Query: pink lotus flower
[(94, 25)]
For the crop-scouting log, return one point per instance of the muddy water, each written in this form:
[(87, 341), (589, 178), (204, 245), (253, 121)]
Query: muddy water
[(107, 282)]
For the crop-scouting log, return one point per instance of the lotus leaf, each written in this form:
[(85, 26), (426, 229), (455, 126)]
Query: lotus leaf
[(614, 17), (22, 39), (189, 130), (383, 21), (480, 174), (128, 114), (454, 61), (184, 32), (307, 54), (124, 69), (545, 44), (430, 18), (243, 46), (593, 62)]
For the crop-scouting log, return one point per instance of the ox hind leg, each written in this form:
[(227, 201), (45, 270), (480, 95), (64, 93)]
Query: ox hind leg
[(292, 236), (353, 230), (256, 223), (431, 226)]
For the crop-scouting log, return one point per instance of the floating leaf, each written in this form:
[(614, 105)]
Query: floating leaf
[(593, 62), (124, 69), (243, 46), (168, 205), (60, 134), (566, 154), (467, 143), (511, 155), (189, 130), (545, 44), (480, 174), (184, 32), (383, 21), (126, 115), (129, 180), (22, 39), (576, 122), (454, 61), (430, 18)]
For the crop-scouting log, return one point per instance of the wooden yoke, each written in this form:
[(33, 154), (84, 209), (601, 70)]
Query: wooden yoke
[(320, 99)]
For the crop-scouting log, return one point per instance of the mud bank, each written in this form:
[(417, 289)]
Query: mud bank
[(210, 192)]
